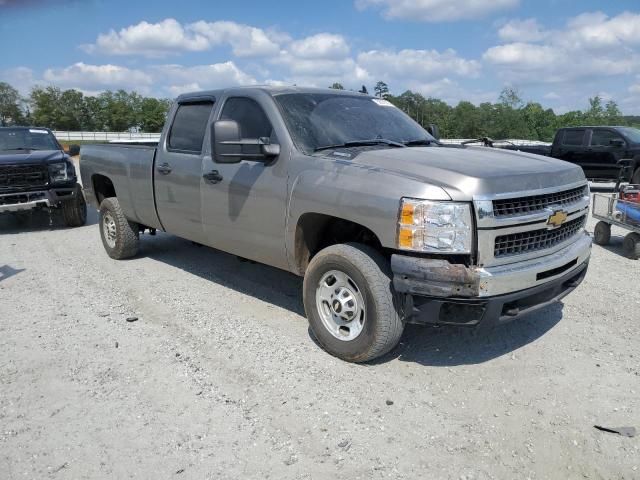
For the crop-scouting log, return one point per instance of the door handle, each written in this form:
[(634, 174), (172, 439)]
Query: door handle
[(164, 169), (212, 177)]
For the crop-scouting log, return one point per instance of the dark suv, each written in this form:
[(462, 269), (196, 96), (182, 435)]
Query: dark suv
[(36, 173), (598, 149)]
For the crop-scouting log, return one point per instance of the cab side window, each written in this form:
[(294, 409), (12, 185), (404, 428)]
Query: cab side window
[(603, 138), (573, 137), (188, 128)]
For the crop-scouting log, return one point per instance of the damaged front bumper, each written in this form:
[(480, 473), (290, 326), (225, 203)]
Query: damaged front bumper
[(27, 200), (439, 292)]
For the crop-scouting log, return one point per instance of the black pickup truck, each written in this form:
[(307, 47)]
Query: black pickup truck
[(36, 173), (596, 149)]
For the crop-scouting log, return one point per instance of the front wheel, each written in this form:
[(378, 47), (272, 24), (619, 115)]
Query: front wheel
[(120, 237), (351, 304), (74, 211)]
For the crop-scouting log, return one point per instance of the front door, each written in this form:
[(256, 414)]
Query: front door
[(243, 210), (606, 148), (178, 171)]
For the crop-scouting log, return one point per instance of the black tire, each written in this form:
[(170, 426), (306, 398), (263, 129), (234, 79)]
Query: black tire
[(123, 238), (74, 211), (602, 233), (631, 246), (382, 325)]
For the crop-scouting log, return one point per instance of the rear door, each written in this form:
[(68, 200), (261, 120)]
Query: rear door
[(604, 153), (178, 170)]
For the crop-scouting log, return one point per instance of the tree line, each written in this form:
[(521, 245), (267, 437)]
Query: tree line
[(509, 117), (58, 109)]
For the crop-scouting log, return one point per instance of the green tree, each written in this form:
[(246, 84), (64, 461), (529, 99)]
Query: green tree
[(45, 103), (153, 113), (510, 97), (337, 86), (10, 105), (381, 90)]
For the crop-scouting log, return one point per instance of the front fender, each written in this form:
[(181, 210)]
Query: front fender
[(367, 196)]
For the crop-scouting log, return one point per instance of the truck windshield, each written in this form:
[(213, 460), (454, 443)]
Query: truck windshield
[(318, 121), (27, 139), (632, 134)]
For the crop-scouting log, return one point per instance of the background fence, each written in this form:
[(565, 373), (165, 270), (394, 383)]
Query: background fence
[(104, 136)]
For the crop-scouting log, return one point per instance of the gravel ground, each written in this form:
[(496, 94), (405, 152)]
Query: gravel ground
[(219, 378)]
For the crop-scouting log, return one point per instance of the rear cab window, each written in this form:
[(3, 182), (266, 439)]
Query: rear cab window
[(573, 137), (188, 128)]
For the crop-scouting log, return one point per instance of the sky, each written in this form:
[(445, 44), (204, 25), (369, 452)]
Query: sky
[(556, 52)]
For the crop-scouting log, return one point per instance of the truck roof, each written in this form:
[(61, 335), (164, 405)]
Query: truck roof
[(593, 126), (270, 89)]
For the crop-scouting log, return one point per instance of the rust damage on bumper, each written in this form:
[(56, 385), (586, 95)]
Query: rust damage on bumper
[(433, 278)]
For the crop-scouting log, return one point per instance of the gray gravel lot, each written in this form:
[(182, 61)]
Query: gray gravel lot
[(219, 378)]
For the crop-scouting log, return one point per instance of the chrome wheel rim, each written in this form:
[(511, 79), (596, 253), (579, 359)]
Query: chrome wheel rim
[(109, 229), (340, 305)]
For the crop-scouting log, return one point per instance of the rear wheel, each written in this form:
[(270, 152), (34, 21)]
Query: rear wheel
[(602, 233), (120, 237), (631, 245), (74, 211), (350, 302)]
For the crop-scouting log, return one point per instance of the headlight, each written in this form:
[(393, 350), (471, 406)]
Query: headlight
[(58, 172), (435, 227)]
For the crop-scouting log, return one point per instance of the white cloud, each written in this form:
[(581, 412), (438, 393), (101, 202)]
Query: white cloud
[(591, 46), (322, 45), (417, 64), (151, 39), (436, 10), (178, 79), (169, 37), (522, 31), (98, 77), (245, 41), (21, 78)]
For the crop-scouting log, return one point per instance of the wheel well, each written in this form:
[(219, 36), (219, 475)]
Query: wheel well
[(316, 231), (102, 188)]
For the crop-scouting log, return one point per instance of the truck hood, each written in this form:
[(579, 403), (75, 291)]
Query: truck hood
[(467, 172), (17, 157)]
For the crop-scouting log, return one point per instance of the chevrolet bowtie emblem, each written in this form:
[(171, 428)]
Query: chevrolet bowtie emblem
[(558, 218)]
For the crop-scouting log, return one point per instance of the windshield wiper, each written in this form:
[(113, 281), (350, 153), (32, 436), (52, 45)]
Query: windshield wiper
[(361, 143), (422, 141)]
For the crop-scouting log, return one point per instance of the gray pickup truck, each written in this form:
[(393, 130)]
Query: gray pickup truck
[(387, 226)]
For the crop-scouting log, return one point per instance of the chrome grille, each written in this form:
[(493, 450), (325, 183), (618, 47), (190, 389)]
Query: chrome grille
[(533, 240), (524, 205), (23, 176)]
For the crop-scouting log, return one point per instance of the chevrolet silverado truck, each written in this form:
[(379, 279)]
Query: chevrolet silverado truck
[(36, 173), (386, 226)]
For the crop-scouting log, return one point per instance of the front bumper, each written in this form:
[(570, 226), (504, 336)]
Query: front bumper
[(28, 200), (438, 292)]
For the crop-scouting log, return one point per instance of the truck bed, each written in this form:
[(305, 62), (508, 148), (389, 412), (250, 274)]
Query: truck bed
[(130, 169)]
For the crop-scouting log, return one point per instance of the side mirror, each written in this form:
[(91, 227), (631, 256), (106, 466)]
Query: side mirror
[(74, 150), (616, 142), (228, 147), (434, 131)]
